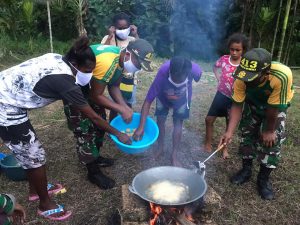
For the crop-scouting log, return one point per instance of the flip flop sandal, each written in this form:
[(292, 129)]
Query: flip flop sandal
[(58, 188), (49, 213)]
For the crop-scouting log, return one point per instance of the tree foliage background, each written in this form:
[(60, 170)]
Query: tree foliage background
[(196, 28)]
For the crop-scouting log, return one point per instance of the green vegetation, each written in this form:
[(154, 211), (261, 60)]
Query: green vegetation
[(12, 51), (195, 28)]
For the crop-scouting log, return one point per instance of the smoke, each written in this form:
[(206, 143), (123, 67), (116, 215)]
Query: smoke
[(197, 27)]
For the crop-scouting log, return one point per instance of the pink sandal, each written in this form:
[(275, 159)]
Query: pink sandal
[(48, 213), (58, 188)]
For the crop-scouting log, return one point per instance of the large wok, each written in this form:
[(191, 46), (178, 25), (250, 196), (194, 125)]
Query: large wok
[(143, 180)]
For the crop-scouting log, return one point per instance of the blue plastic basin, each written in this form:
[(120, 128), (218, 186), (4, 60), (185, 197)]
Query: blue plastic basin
[(12, 169), (2, 155), (150, 134)]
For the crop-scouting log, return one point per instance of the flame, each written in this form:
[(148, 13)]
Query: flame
[(182, 213), (190, 217), (156, 210), (188, 212)]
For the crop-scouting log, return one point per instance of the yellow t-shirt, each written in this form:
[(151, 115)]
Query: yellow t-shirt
[(277, 91), (107, 69)]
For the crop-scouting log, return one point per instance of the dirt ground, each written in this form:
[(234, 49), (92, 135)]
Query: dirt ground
[(90, 205)]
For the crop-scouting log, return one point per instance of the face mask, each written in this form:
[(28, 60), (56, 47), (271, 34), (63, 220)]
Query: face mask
[(82, 78), (178, 85), (129, 66), (123, 34)]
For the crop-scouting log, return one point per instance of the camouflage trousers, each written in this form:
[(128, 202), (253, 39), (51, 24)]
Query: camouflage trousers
[(89, 138), (251, 126)]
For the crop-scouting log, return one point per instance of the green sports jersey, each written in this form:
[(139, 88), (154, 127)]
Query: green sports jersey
[(276, 91), (107, 68)]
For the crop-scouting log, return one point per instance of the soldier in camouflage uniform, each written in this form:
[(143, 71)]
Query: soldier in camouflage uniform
[(250, 126), (110, 63), (261, 95), (89, 138)]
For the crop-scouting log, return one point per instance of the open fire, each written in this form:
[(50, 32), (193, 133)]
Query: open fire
[(170, 215)]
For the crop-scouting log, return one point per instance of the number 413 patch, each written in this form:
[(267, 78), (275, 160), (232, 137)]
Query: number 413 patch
[(248, 65)]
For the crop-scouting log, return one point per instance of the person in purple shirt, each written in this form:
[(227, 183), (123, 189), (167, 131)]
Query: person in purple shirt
[(172, 88)]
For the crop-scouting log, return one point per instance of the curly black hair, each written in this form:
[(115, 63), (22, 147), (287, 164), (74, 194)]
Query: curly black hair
[(120, 16), (80, 53), (239, 38)]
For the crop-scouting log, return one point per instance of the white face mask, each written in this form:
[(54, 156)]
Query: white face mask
[(177, 85), (180, 85), (82, 78), (123, 34), (129, 66)]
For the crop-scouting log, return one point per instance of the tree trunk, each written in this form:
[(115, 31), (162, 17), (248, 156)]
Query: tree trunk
[(291, 33), (276, 27), (49, 23), (284, 26), (81, 29), (259, 42), (244, 16), (252, 22)]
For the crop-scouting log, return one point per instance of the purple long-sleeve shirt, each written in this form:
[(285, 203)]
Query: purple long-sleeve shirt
[(166, 92)]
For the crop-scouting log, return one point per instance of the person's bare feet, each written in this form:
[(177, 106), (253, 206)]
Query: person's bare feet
[(207, 147)]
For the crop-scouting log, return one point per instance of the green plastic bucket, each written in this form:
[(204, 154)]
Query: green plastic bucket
[(11, 168)]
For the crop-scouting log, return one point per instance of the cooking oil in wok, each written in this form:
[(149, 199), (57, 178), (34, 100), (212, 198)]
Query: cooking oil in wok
[(168, 192)]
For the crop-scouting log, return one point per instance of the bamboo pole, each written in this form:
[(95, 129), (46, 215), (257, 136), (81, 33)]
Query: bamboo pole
[(49, 24), (284, 26)]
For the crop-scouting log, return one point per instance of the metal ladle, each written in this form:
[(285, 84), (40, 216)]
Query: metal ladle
[(201, 166)]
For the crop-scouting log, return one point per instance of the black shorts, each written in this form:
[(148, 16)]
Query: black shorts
[(220, 106)]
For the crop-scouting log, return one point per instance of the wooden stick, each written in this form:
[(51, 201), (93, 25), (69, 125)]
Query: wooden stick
[(183, 220), (180, 218), (218, 149)]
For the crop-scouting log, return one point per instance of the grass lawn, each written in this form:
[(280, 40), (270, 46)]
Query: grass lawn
[(240, 205)]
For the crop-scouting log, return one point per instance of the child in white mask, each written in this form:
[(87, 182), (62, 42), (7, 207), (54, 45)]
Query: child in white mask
[(172, 89), (121, 32)]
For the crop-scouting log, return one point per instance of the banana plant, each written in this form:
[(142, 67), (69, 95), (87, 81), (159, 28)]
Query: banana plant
[(265, 16), (28, 11), (80, 8)]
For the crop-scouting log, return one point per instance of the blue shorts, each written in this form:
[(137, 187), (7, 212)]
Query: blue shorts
[(220, 106), (183, 112)]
